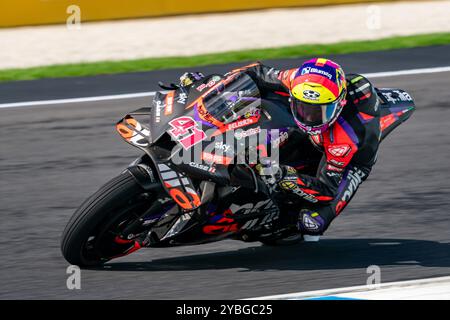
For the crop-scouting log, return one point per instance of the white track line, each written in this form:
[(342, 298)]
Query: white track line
[(152, 93), (407, 72), (402, 285), (77, 100)]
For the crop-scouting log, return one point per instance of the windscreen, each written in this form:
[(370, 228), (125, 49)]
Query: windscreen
[(232, 99)]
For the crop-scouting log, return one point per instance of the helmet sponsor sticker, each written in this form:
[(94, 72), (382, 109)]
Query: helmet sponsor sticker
[(308, 70), (241, 123), (311, 95)]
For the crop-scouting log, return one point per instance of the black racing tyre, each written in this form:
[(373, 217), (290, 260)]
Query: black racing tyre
[(88, 239)]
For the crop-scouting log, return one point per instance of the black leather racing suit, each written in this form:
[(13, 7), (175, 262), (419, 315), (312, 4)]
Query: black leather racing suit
[(349, 148)]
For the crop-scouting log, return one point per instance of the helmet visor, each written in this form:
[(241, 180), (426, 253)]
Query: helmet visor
[(313, 114)]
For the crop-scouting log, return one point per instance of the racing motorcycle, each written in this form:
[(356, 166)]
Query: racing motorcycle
[(165, 198)]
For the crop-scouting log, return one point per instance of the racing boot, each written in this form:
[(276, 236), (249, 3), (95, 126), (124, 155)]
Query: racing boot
[(310, 224)]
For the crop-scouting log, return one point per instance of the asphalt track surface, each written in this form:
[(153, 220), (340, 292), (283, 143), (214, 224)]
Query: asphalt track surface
[(52, 158)]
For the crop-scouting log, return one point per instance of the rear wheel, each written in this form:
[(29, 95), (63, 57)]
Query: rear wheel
[(91, 237)]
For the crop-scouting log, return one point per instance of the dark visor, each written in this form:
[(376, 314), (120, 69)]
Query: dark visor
[(313, 114)]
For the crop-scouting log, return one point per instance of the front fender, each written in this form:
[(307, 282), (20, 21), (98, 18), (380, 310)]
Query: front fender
[(143, 174)]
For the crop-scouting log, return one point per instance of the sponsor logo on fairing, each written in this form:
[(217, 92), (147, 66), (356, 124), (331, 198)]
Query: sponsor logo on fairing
[(214, 158), (203, 86), (240, 123), (159, 107), (203, 167), (179, 187), (222, 146), (169, 104), (246, 133), (186, 131), (182, 98)]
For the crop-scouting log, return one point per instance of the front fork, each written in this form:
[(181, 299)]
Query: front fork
[(143, 171)]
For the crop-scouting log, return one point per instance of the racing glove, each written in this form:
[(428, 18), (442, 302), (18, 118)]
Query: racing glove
[(270, 172)]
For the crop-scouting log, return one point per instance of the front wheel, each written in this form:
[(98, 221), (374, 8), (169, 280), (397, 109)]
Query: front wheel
[(91, 237)]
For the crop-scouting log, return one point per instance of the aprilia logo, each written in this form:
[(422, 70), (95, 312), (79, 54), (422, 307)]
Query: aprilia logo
[(339, 150), (355, 178), (309, 223)]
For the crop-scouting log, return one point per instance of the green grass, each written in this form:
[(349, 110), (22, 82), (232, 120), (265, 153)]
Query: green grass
[(111, 67)]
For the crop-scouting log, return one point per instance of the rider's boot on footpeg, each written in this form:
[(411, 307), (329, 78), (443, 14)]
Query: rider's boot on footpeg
[(310, 224)]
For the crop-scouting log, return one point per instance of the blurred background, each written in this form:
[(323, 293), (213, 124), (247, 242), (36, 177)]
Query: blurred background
[(47, 32), (70, 69)]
